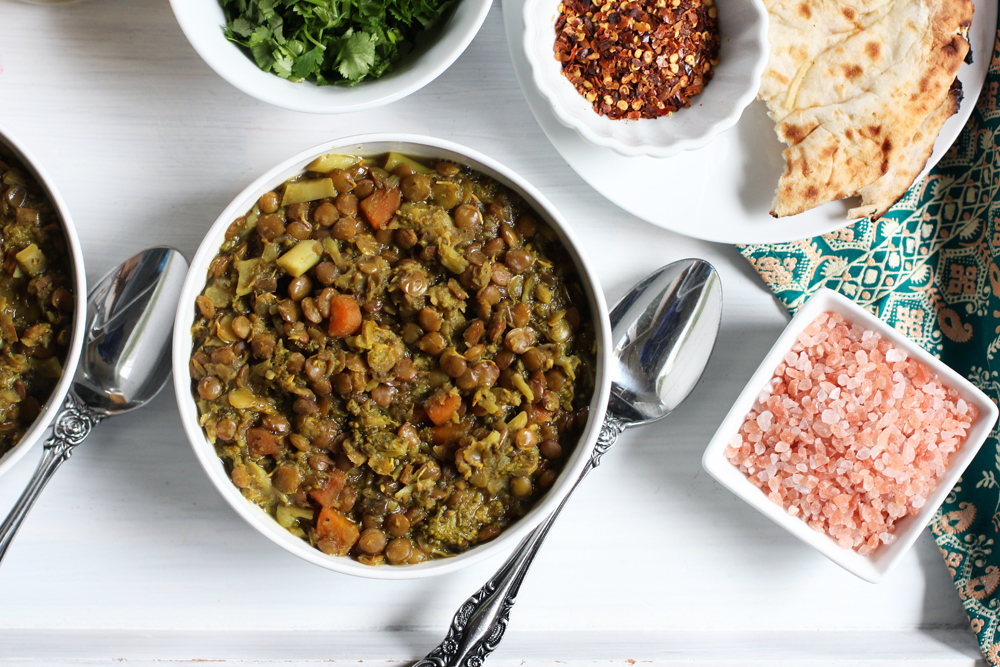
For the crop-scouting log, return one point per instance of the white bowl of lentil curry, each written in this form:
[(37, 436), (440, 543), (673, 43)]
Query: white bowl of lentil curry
[(647, 77), (389, 356), (43, 287)]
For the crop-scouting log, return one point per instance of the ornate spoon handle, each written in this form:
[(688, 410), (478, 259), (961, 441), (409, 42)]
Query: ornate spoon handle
[(72, 426), (479, 624)]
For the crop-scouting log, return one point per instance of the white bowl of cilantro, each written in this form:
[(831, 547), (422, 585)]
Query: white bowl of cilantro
[(299, 55)]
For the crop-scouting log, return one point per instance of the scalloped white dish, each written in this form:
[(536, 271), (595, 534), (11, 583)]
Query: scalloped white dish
[(734, 84)]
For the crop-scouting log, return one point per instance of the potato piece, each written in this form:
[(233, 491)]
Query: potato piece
[(246, 270), (242, 398), (287, 515), (452, 259), (303, 256), (329, 162), (395, 159), (518, 422), (31, 259), (299, 192)]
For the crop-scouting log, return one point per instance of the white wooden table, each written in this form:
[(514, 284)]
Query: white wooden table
[(131, 556)]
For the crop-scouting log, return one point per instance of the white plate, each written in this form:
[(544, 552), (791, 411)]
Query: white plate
[(723, 192)]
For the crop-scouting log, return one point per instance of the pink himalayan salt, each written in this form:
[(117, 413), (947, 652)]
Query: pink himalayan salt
[(850, 434)]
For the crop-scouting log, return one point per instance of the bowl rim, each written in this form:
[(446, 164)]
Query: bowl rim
[(235, 67), (55, 402), (195, 281), (531, 14), (877, 565)]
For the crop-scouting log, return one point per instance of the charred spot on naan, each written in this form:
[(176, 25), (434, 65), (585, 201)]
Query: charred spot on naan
[(852, 71), (793, 134), (886, 151), (879, 197)]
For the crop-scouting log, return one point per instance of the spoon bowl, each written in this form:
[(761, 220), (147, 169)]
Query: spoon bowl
[(126, 353), (663, 332), (124, 364)]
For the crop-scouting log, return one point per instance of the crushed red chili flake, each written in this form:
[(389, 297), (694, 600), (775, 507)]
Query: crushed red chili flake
[(638, 59)]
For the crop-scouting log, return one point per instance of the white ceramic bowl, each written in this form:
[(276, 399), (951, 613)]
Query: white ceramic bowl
[(742, 59), (41, 425), (876, 565), (182, 345), (202, 22)]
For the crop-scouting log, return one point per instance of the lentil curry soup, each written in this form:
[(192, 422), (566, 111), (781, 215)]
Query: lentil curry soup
[(393, 357), (36, 300)]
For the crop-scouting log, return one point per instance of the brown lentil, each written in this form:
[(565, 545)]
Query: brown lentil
[(399, 550), (269, 202)]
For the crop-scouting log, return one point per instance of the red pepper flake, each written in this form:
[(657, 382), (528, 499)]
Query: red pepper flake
[(637, 59)]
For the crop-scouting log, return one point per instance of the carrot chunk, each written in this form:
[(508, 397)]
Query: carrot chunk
[(380, 206), (335, 533), (450, 432), (327, 494), (345, 315), (442, 405)]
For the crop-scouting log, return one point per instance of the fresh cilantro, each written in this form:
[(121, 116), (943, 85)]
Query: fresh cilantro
[(329, 41), (356, 57), (241, 27), (282, 66), (308, 62)]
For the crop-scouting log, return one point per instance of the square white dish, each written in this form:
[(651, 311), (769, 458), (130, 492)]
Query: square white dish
[(876, 565)]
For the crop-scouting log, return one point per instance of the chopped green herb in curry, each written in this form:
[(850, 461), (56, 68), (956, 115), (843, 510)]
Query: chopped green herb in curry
[(394, 359)]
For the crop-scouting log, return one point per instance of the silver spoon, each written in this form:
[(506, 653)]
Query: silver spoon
[(663, 332), (125, 361)]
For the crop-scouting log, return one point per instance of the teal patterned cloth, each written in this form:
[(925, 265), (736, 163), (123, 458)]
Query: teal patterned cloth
[(931, 268)]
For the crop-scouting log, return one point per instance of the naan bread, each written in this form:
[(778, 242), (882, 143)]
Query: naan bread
[(879, 197), (849, 83)]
